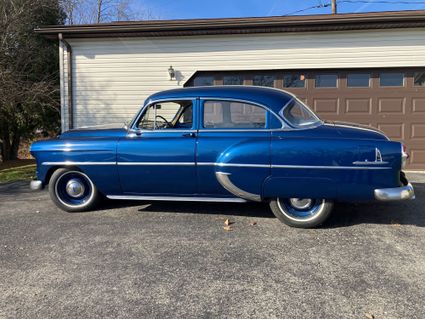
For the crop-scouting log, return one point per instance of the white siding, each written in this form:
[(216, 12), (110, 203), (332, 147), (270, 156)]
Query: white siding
[(113, 76)]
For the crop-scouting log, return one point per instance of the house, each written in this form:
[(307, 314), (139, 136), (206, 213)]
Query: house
[(367, 68)]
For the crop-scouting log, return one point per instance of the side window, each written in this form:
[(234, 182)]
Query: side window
[(326, 80), (167, 115), (391, 79), (263, 80), (203, 81), (295, 80), (233, 115), (358, 80)]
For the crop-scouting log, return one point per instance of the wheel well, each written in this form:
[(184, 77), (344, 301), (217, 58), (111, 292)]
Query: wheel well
[(55, 168)]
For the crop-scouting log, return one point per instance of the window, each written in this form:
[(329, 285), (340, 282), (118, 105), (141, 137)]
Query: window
[(419, 78), (233, 115), (167, 115), (203, 81), (294, 80), (263, 80), (391, 79), (326, 80), (299, 115), (358, 80), (232, 80)]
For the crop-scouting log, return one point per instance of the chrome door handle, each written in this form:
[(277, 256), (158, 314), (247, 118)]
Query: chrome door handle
[(189, 134)]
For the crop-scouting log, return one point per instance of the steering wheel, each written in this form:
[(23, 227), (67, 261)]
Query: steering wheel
[(162, 118)]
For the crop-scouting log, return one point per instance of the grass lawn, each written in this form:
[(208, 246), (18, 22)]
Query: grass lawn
[(18, 170)]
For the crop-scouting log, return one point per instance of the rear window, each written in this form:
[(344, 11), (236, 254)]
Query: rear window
[(299, 115)]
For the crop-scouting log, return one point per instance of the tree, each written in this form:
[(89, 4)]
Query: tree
[(99, 11), (29, 75)]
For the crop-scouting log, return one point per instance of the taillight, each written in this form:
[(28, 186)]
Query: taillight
[(404, 155)]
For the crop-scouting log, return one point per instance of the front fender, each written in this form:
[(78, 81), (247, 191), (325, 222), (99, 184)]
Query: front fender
[(95, 157)]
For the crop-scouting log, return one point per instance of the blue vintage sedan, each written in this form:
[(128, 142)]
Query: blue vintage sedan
[(225, 144)]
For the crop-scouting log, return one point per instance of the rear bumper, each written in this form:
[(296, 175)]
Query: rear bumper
[(36, 185), (396, 193)]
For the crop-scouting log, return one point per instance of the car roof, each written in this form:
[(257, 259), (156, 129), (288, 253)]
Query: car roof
[(270, 97)]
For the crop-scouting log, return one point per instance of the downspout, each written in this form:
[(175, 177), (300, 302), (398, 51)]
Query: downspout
[(69, 80)]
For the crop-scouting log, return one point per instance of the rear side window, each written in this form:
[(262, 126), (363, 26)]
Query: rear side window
[(233, 115)]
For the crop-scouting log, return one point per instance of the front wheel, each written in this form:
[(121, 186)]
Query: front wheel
[(301, 212), (72, 190)]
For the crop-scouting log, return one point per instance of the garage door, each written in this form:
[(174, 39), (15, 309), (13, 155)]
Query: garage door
[(392, 100)]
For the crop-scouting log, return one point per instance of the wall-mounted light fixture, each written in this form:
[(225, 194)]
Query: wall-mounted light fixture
[(171, 73)]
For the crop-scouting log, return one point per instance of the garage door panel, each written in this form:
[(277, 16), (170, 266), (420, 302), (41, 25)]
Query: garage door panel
[(418, 105), (356, 106), (326, 105), (392, 105), (392, 130), (417, 158), (418, 131)]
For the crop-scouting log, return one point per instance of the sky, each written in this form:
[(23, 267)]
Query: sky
[(191, 9)]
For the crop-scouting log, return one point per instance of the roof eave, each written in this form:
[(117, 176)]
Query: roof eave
[(387, 20)]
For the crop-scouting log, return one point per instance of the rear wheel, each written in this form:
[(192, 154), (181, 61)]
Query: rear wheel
[(72, 190), (301, 212)]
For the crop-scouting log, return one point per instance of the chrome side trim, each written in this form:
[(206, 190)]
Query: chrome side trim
[(178, 199), (378, 159), (156, 163), (67, 163), (233, 165), (224, 180), (369, 163), (396, 193), (328, 167), (36, 185)]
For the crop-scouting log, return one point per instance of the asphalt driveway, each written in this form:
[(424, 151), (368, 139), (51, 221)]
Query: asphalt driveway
[(175, 260)]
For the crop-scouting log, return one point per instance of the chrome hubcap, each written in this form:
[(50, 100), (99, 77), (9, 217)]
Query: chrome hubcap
[(75, 188), (300, 203)]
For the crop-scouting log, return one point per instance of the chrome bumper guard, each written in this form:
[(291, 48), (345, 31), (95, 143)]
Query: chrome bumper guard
[(36, 185), (397, 193)]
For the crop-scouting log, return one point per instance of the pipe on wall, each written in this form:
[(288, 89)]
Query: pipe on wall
[(69, 80)]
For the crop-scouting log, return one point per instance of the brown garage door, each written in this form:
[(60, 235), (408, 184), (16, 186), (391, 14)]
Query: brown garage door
[(392, 100)]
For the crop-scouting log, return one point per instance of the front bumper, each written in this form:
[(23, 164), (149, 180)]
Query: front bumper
[(36, 185), (396, 193)]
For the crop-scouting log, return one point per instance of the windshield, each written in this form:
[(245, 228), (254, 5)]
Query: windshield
[(299, 115)]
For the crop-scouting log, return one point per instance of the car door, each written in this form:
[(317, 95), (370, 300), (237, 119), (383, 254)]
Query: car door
[(233, 144), (157, 157)]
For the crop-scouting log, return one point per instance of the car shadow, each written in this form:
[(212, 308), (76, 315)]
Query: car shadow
[(259, 210), (410, 212)]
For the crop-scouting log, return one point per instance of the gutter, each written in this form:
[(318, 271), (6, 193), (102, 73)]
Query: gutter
[(155, 28), (69, 81)]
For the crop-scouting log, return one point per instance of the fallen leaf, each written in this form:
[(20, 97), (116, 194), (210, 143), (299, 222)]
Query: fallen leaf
[(228, 228), (253, 223), (395, 223), (227, 222), (369, 316)]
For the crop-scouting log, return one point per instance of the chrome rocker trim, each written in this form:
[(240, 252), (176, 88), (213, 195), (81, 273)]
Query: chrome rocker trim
[(178, 199), (396, 193), (36, 185), (224, 180)]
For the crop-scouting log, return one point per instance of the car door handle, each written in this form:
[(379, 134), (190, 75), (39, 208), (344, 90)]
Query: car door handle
[(191, 134)]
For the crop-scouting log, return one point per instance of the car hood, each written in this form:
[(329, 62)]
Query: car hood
[(94, 133), (354, 130)]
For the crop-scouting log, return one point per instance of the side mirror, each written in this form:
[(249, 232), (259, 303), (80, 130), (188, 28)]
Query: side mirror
[(135, 132)]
